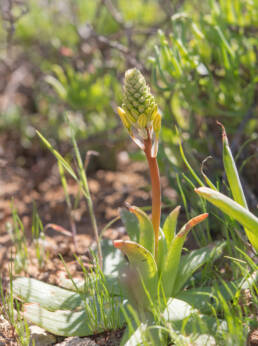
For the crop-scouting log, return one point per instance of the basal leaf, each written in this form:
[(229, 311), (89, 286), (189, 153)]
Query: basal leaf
[(189, 263), (146, 236), (163, 248), (188, 321), (169, 227), (140, 259), (60, 322), (74, 323), (131, 224), (202, 298), (48, 296), (170, 270)]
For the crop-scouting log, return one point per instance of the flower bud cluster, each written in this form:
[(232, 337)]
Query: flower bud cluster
[(139, 109)]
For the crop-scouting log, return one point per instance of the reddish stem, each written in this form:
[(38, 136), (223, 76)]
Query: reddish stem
[(156, 193)]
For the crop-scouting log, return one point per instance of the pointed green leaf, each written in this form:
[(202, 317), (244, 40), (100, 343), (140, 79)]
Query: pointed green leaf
[(172, 260), (169, 227), (163, 249), (140, 259), (231, 171), (146, 236), (234, 210), (233, 179), (194, 260), (131, 224)]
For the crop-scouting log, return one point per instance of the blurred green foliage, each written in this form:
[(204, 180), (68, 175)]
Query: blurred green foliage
[(202, 58), (81, 49), (206, 65), (205, 69)]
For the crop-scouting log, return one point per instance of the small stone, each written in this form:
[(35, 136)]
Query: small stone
[(40, 337), (76, 341)]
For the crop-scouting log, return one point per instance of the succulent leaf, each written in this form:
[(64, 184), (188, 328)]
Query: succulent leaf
[(234, 180), (60, 322), (192, 261), (204, 298), (146, 235), (172, 261), (162, 250), (74, 323), (48, 296), (234, 210), (231, 171), (131, 224), (142, 260), (169, 227)]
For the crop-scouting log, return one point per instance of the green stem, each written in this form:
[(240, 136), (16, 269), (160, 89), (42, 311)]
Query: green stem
[(156, 191)]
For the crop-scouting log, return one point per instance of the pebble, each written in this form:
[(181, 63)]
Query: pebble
[(40, 337), (76, 341)]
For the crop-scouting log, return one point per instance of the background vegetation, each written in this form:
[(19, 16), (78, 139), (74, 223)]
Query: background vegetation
[(201, 60)]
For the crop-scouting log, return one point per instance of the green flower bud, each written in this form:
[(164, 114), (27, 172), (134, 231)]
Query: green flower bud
[(137, 94), (139, 108)]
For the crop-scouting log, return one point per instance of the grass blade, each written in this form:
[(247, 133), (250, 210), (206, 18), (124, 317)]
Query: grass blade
[(59, 158)]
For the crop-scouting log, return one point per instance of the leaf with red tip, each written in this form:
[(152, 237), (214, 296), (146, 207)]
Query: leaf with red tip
[(140, 259), (191, 223), (172, 261)]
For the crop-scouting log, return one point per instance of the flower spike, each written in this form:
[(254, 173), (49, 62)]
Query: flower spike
[(139, 109)]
